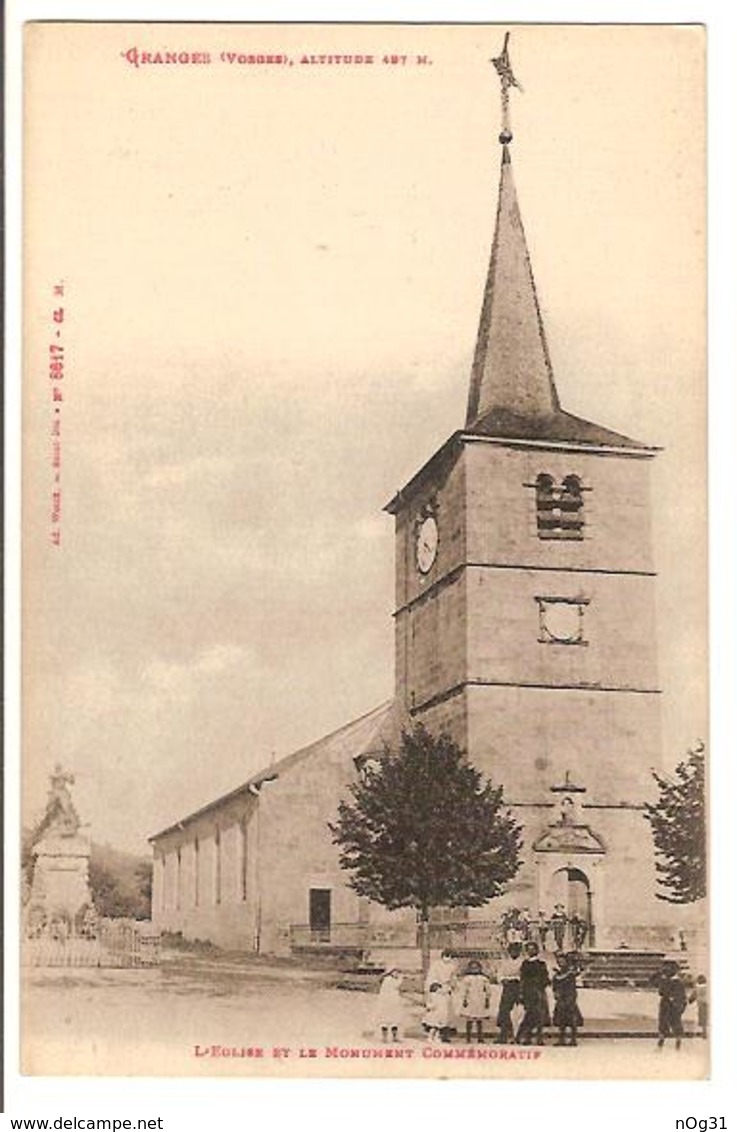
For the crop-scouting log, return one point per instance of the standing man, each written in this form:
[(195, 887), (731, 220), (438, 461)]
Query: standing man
[(673, 997), (543, 927), (558, 922), (579, 931), (508, 975)]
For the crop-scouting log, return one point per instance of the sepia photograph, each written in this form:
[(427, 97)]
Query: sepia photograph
[(365, 688)]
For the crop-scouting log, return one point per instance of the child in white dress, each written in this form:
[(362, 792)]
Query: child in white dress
[(437, 1010), (389, 1006)]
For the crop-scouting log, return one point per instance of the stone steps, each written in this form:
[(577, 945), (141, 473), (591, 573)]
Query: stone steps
[(624, 968)]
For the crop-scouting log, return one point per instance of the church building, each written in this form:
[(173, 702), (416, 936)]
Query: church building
[(525, 627)]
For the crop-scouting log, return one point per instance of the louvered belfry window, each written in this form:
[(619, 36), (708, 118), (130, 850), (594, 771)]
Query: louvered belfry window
[(559, 507)]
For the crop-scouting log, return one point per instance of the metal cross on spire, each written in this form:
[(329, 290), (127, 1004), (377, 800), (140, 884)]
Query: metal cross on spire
[(504, 70)]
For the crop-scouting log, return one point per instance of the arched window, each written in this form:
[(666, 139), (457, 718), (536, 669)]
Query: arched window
[(571, 507), (547, 517), (559, 509)]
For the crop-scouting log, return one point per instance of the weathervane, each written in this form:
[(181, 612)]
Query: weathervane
[(506, 75)]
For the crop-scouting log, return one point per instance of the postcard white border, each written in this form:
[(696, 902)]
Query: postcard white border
[(186, 1104)]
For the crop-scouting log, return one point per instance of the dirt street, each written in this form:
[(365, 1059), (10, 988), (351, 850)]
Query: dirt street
[(202, 1015)]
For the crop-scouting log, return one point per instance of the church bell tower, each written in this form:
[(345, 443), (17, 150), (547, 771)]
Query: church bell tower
[(525, 605)]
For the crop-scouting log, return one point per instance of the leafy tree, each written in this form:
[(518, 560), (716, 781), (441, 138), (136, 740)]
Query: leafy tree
[(144, 879), (120, 883), (678, 823), (424, 829), (26, 855), (105, 891)]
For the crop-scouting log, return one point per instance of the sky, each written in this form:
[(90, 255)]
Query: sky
[(273, 276)]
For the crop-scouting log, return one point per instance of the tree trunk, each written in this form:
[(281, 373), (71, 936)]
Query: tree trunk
[(425, 943)]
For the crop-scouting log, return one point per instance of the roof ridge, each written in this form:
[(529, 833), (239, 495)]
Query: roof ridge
[(273, 771)]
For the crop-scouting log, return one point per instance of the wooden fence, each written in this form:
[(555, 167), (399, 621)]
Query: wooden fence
[(117, 943)]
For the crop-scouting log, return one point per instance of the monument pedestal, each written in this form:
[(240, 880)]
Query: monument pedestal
[(61, 874)]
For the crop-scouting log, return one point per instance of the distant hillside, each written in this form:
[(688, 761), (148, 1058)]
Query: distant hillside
[(120, 882)]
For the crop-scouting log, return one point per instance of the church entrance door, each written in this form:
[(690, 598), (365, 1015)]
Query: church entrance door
[(573, 891), (320, 914)]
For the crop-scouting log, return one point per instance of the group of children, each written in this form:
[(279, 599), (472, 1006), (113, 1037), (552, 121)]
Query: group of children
[(524, 980), (519, 926)]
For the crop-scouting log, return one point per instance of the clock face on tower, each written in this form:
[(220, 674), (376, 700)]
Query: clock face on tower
[(426, 546)]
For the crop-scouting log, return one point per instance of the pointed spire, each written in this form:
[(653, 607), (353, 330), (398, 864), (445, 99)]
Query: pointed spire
[(511, 369), (511, 374), (512, 391)]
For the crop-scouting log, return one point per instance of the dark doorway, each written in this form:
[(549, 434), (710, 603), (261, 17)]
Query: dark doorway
[(578, 894), (320, 914), (578, 905)]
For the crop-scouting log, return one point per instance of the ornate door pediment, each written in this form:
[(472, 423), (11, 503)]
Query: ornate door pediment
[(564, 838)]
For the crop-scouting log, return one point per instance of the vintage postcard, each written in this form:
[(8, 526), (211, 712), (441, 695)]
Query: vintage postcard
[(364, 628)]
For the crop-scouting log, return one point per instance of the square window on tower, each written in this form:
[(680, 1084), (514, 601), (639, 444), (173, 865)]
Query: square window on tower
[(562, 620)]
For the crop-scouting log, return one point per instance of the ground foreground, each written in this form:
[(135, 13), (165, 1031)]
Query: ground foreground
[(230, 1015)]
